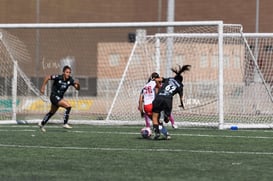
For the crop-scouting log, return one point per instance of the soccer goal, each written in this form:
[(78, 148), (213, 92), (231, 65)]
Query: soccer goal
[(230, 82)]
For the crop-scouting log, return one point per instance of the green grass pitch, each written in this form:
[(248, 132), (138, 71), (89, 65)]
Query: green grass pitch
[(89, 152)]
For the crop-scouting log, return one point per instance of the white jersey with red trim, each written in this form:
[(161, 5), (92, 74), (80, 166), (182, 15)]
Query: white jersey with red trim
[(148, 92)]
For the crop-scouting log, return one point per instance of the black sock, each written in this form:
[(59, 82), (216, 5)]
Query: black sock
[(156, 129), (66, 115), (47, 117)]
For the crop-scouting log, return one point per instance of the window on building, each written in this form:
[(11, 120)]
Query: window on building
[(179, 59), (114, 59), (214, 61), (237, 61), (226, 61), (204, 61)]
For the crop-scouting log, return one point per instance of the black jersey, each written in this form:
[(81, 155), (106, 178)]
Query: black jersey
[(170, 87), (164, 98), (60, 85)]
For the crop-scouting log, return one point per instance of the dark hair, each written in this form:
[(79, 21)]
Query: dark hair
[(179, 71), (66, 67), (153, 76)]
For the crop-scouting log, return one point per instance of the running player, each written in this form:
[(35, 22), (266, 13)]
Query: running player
[(164, 99), (59, 87)]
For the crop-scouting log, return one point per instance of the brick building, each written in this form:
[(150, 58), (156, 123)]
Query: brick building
[(52, 11), (72, 11)]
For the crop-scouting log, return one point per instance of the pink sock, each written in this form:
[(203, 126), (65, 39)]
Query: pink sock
[(171, 119), (147, 120)]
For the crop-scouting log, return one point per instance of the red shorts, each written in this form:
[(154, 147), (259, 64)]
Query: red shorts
[(148, 109)]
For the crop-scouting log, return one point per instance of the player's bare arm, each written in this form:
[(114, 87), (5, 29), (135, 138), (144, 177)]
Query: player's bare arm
[(181, 100), (47, 78), (77, 85)]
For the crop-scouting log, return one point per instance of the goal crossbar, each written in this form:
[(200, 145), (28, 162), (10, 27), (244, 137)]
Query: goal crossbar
[(109, 24)]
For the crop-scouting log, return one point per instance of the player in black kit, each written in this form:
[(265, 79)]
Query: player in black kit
[(164, 99), (59, 87)]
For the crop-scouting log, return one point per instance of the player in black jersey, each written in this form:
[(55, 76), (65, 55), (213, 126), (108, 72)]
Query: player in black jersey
[(59, 87), (164, 99)]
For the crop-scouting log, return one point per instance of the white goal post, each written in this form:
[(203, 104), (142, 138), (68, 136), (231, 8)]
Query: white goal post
[(229, 84), (241, 87)]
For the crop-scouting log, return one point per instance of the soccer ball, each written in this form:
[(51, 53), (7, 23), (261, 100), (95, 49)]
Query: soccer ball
[(146, 132)]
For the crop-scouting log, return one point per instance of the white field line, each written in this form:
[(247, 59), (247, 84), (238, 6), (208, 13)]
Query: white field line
[(136, 133), (180, 134), (138, 149), (136, 127)]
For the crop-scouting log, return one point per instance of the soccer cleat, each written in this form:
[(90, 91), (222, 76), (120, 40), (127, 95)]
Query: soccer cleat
[(166, 134), (174, 126), (66, 126), (41, 127), (157, 135), (168, 137)]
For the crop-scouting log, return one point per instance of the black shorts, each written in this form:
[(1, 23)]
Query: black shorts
[(162, 103), (54, 99)]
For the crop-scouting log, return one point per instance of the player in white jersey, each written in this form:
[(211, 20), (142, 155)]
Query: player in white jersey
[(147, 96)]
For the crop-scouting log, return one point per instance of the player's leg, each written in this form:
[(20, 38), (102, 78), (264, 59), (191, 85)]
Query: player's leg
[(155, 118), (166, 118), (167, 113), (171, 118), (65, 104), (147, 120), (157, 108), (148, 114), (52, 111), (164, 131)]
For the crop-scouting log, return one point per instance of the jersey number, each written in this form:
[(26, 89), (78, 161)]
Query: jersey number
[(170, 88), (148, 90)]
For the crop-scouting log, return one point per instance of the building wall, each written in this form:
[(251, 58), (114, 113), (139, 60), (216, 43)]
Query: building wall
[(52, 11), (71, 11)]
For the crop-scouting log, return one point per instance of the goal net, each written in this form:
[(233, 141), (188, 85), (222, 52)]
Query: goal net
[(230, 82), (243, 80)]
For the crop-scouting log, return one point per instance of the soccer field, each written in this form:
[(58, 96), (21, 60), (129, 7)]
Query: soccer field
[(119, 153)]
